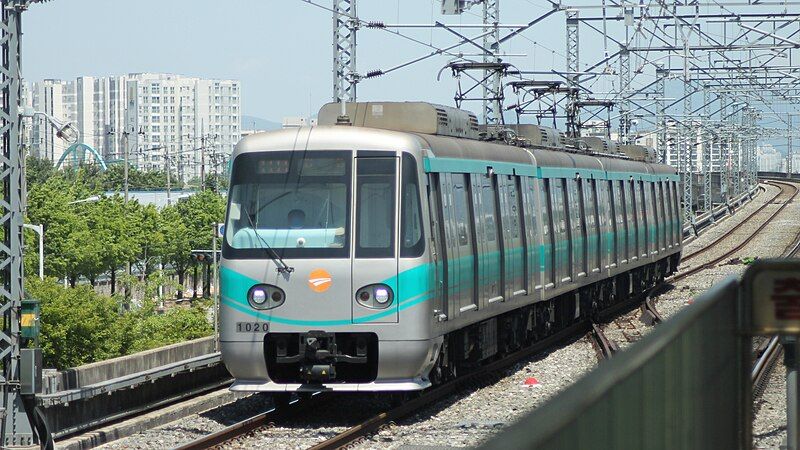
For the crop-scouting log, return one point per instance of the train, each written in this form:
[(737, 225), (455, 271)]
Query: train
[(397, 244)]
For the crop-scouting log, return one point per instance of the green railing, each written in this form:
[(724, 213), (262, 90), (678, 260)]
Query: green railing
[(686, 385)]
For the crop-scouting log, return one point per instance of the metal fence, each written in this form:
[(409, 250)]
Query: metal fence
[(685, 385)]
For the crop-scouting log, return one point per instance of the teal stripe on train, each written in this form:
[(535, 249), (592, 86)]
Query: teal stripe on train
[(414, 289), (415, 285)]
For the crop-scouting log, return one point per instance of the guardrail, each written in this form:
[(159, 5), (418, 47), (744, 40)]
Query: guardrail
[(707, 219), (685, 385), (87, 396)]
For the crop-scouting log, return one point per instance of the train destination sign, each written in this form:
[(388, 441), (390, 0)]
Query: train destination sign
[(771, 289)]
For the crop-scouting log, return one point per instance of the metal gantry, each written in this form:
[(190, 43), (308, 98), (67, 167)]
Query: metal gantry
[(707, 147), (15, 428), (493, 83), (345, 26), (789, 147)]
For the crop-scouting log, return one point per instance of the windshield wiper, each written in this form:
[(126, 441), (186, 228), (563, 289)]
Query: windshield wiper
[(273, 255)]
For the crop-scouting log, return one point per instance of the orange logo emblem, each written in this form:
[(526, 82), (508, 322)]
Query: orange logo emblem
[(320, 280)]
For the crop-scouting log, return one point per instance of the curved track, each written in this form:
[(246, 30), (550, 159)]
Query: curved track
[(788, 190), (743, 222), (381, 420), (769, 349)]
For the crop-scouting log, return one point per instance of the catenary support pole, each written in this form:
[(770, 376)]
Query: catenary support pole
[(345, 26)]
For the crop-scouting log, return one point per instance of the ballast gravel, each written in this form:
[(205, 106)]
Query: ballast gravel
[(472, 416)]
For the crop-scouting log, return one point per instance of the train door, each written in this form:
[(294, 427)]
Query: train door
[(513, 248), (547, 256), (656, 217), (613, 223), (658, 199), (644, 220), (459, 259), (376, 234), (577, 228), (490, 263), (593, 227), (618, 195), (530, 215), (676, 207), (562, 251), (630, 221), (437, 245), (666, 199)]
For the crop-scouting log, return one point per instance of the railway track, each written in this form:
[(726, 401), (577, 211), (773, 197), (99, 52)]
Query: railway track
[(768, 350), (606, 348), (787, 189), (719, 239), (377, 422)]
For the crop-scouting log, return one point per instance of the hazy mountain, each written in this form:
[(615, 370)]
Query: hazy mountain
[(257, 123)]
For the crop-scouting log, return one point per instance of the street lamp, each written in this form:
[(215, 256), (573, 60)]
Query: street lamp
[(93, 198), (39, 229)]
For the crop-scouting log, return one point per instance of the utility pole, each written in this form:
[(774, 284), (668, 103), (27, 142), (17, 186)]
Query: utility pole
[(125, 154), (725, 150), (180, 137), (789, 148), (661, 122), (689, 142), (492, 89), (17, 388), (708, 143), (573, 66), (345, 26)]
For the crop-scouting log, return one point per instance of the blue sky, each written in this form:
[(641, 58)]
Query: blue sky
[(280, 50)]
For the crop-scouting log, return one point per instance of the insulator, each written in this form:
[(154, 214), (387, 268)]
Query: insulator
[(376, 24), (374, 73)]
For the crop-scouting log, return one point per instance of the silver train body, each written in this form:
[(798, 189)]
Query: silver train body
[(362, 259)]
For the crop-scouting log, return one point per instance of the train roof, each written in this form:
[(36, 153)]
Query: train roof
[(333, 137)]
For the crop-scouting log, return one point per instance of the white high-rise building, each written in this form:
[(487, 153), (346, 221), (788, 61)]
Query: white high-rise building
[(56, 98), (770, 159), (189, 124), (193, 122)]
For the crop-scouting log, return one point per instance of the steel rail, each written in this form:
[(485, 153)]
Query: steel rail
[(604, 346), (380, 420), (768, 358), (576, 330), (375, 423), (707, 265), (254, 423), (731, 231), (763, 366)]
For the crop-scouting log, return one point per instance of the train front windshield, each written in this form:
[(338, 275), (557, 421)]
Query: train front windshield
[(296, 203)]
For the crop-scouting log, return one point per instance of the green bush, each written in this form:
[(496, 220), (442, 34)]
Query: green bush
[(79, 326)]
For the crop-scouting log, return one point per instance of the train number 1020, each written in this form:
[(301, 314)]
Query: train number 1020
[(252, 327)]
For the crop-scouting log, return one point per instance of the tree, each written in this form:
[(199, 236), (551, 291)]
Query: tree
[(78, 326), (177, 243), (148, 236)]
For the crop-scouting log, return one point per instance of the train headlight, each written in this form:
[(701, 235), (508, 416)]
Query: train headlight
[(265, 296), (258, 296), (376, 296), (381, 295)]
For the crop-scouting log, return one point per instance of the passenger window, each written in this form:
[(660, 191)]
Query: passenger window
[(376, 208), (411, 225)]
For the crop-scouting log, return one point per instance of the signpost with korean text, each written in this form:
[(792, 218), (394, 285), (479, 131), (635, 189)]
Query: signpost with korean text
[(771, 305)]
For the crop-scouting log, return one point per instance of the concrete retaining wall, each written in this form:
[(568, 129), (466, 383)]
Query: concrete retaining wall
[(89, 374)]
